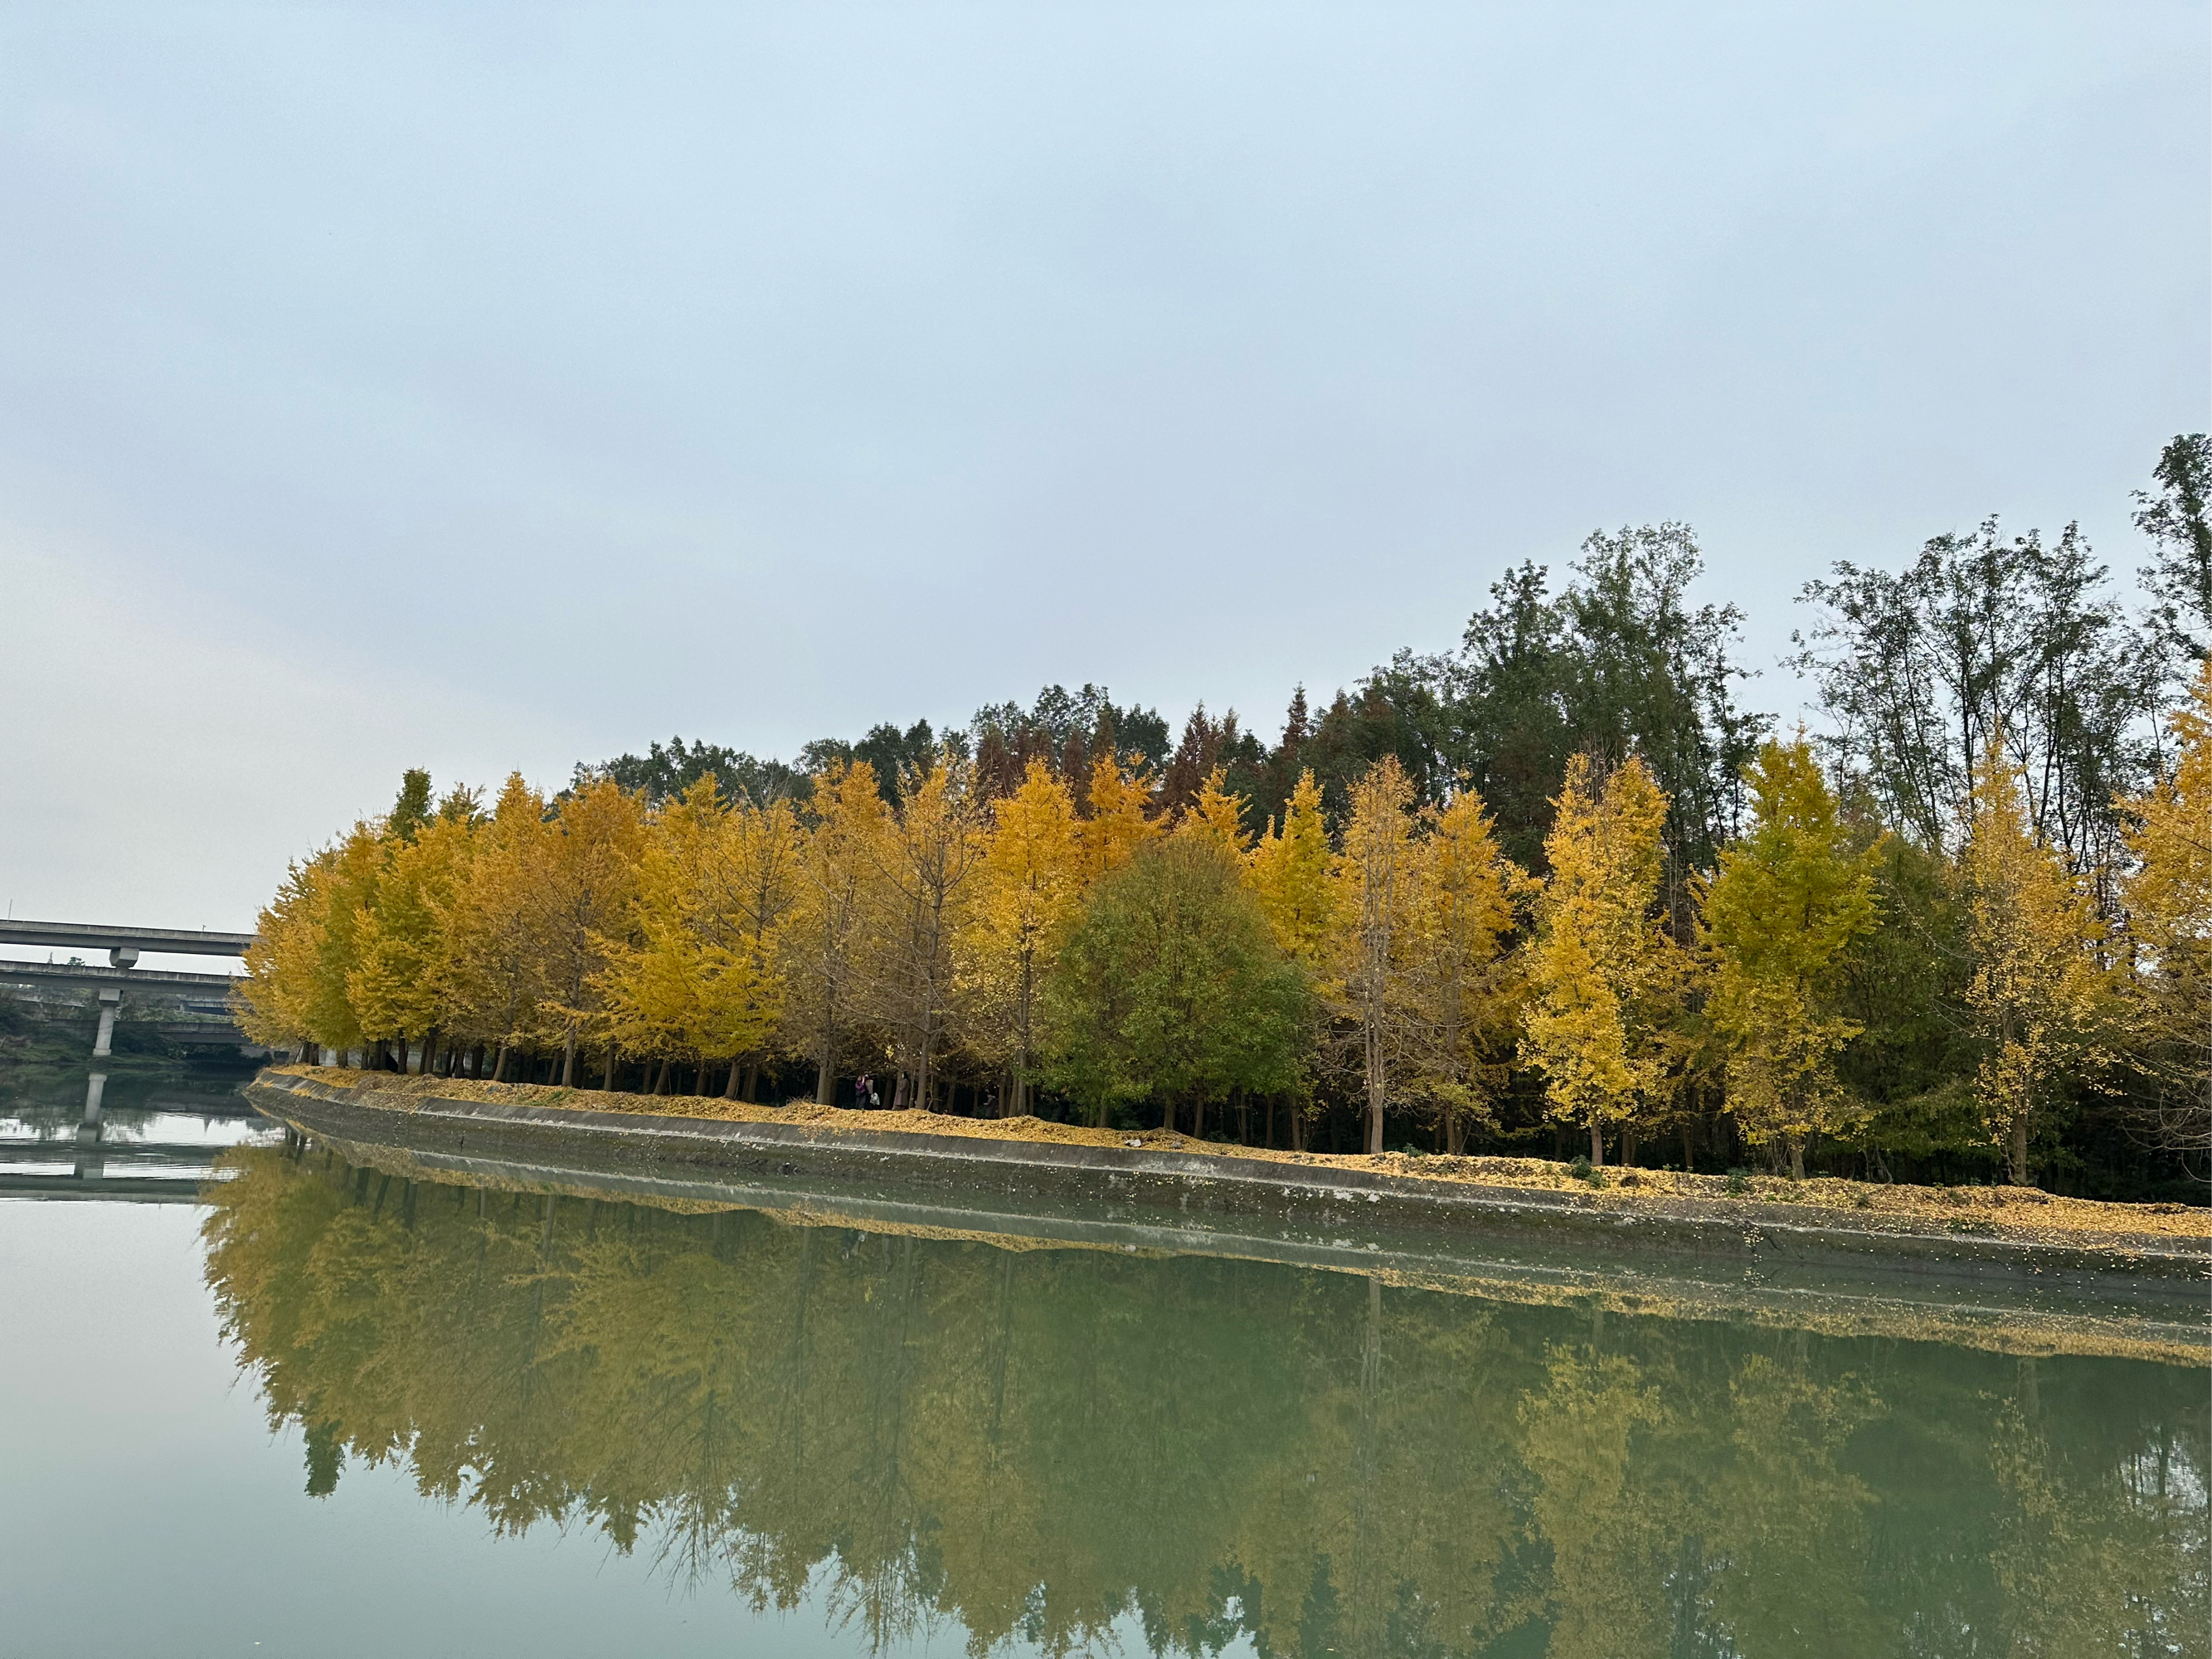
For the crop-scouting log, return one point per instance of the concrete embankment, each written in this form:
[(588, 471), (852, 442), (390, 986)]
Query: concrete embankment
[(1145, 1198)]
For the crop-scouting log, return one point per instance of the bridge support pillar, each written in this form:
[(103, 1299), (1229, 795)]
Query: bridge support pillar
[(110, 1000), (88, 1128)]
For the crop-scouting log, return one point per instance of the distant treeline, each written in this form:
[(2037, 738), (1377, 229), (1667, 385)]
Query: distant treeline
[(1556, 881)]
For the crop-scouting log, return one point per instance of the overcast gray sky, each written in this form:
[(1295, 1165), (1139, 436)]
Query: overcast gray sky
[(484, 387)]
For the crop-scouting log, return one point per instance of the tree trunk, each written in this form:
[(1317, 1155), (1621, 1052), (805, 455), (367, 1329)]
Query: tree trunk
[(825, 1085), (1598, 1143), (1376, 1084), (1689, 1164), (568, 1056), (499, 1065), (607, 1071), (749, 1090), (1797, 1157), (2019, 1159)]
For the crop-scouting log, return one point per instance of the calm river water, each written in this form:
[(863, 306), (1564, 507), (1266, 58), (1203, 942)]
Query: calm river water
[(328, 1410)]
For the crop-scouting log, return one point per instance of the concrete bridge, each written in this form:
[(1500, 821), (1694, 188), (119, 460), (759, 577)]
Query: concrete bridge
[(204, 999), (123, 945)]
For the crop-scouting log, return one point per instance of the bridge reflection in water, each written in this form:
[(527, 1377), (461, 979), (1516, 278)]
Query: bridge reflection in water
[(144, 1144), (201, 1001), (1058, 1445)]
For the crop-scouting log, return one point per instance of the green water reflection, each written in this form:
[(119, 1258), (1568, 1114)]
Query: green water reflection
[(1042, 1443)]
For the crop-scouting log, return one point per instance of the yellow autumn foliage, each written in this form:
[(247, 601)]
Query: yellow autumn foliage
[(1606, 982), (1292, 871), (2167, 901), (2038, 994), (1790, 896)]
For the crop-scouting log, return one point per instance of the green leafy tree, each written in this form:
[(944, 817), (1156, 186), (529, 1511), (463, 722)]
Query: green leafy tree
[(2179, 576), (1987, 642), (1170, 987), (1621, 662), (1903, 985), (664, 772)]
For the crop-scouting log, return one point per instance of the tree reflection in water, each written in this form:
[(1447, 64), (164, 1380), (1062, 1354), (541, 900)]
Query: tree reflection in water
[(1039, 1442)]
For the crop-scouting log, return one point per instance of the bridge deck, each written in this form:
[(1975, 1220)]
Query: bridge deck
[(83, 975), (98, 936)]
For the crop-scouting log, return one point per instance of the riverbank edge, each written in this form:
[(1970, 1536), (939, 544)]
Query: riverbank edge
[(1998, 1320), (1322, 1201)]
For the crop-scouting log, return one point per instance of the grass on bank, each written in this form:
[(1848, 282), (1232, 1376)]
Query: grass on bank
[(1997, 1212)]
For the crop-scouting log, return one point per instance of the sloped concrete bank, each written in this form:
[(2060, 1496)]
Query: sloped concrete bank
[(1155, 1199)]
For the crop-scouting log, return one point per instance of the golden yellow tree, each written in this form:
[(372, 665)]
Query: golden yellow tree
[(1377, 876), (1605, 980), (1462, 998), (579, 900), (2037, 992), (402, 983), (1789, 897), (1028, 884), (758, 879), (822, 946), (1109, 836), (1217, 816), (294, 988), (2168, 904), (714, 880), (926, 859), (271, 998), (497, 983), (1292, 871)]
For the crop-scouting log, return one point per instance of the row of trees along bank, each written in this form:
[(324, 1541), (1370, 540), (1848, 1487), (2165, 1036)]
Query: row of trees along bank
[(1554, 884)]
